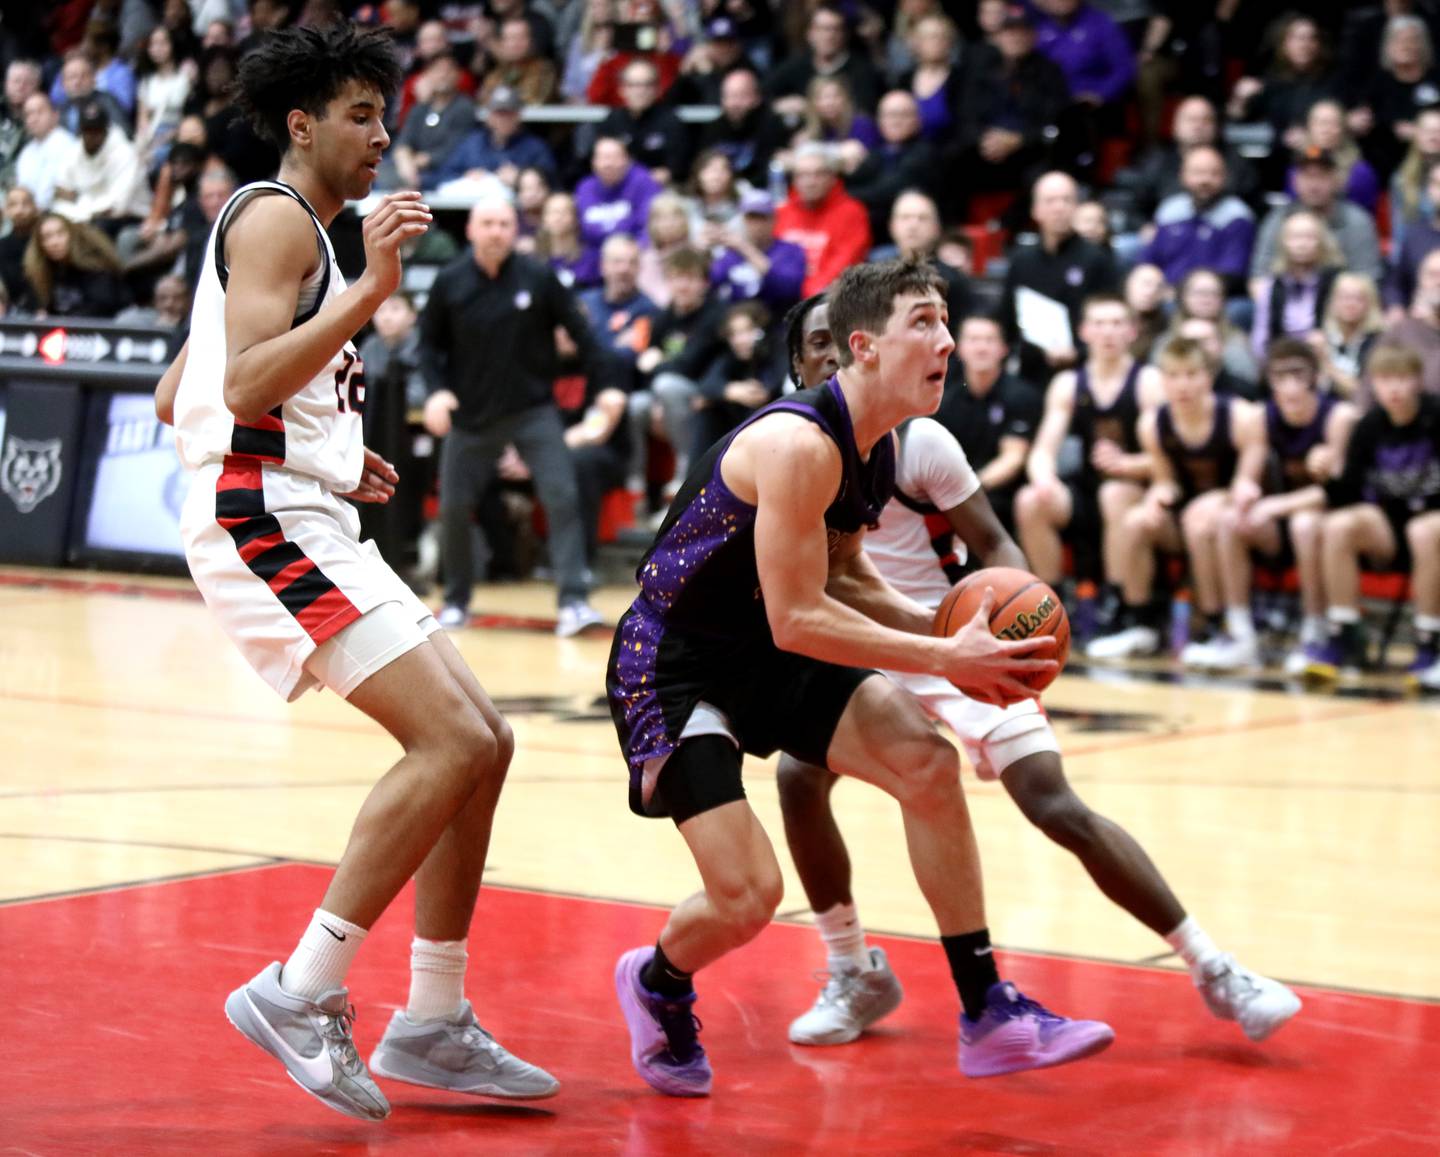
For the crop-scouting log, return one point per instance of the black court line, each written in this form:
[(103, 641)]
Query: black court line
[(143, 882)]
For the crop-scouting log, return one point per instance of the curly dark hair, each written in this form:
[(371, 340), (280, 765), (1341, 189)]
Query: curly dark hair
[(306, 68)]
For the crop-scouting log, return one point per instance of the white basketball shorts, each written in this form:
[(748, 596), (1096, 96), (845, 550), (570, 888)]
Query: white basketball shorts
[(994, 738), (279, 561)]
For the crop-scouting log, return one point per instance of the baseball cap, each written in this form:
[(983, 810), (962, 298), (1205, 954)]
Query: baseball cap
[(1314, 155), (757, 201), (93, 116), (503, 97), (721, 28)]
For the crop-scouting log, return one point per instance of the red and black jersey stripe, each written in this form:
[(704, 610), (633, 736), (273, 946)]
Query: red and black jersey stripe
[(264, 440), (317, 604)]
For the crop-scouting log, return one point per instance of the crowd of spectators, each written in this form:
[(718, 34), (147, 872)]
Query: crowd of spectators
[(1209, 181)]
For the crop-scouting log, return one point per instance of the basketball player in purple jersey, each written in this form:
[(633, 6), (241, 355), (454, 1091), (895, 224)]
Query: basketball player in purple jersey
[(266, 399), (1015, 745), (756, 629)]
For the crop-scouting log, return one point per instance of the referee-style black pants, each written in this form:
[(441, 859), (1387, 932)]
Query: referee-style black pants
[(467, 467)]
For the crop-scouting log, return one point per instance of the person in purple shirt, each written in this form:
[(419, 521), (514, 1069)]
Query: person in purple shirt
[(559, 245), (1089, 47), (615, 198), (757, 264), (1092, 52), (1202, 226)]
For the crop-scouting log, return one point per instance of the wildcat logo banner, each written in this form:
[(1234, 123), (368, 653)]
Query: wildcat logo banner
[(30, 471)]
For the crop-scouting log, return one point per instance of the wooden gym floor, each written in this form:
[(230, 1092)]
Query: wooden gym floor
[(164, 822)]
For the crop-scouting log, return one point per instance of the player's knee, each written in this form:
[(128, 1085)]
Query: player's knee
[(933, 772), (504, 744), (748, 902), (1339, 526), (1030, 506), (1422, 535), (467, 750), (1115, 498), (1198, 522)]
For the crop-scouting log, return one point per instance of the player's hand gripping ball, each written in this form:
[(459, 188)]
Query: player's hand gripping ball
[(1024, 608)]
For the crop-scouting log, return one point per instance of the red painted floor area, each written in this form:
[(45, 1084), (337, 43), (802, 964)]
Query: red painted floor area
[(115, 1043)]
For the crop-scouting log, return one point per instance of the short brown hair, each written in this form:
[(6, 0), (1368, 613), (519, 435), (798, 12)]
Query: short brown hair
[(1182, 350), (1285, 349), (864, 295), (686, 259), (752, 311), (1392, 360), (1095, 300)]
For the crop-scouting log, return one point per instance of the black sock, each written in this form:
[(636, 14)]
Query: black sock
[(972, 964), (662, 977)]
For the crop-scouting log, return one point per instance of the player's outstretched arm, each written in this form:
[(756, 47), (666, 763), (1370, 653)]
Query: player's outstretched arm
[(168, 384), (270, 248)]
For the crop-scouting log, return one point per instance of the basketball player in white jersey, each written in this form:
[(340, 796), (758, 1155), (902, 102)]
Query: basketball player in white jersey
[(266, 399), (936, 488)]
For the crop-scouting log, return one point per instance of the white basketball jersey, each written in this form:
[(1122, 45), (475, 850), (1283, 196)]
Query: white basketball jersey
[(932, 474), (316, 432)]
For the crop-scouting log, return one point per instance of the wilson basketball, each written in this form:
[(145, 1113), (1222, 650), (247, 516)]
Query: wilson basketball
[(1024, 607)]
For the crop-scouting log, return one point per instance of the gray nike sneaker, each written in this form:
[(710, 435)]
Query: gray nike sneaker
[(311, 1038), (850, 1002), (458, 1056)]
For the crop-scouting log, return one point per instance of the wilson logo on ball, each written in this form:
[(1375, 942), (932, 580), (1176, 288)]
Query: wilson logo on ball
[(1028, 622)]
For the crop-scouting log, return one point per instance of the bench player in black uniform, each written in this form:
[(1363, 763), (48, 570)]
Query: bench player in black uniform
[(1206, 451), (1385, 508), (1306, 431), (1101, 403), (756, 625)]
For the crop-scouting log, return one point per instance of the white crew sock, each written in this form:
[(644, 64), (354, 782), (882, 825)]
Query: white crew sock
[(1240, 624), (322, 958), (1428, 623), (844, 937), (1193, 944), (437, 979), (1313, 629), (1340, 616)]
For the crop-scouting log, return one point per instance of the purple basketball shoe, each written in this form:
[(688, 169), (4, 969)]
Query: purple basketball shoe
[(664, 1046), (1014, 1033)]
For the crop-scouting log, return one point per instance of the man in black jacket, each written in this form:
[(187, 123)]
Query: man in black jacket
[(1047, 283), (902, 160), (829, 51), (654, 135), (488, 338), (1010, 107), (746, 130)]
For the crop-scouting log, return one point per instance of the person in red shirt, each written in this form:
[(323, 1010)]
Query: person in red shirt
[(830, 225)]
